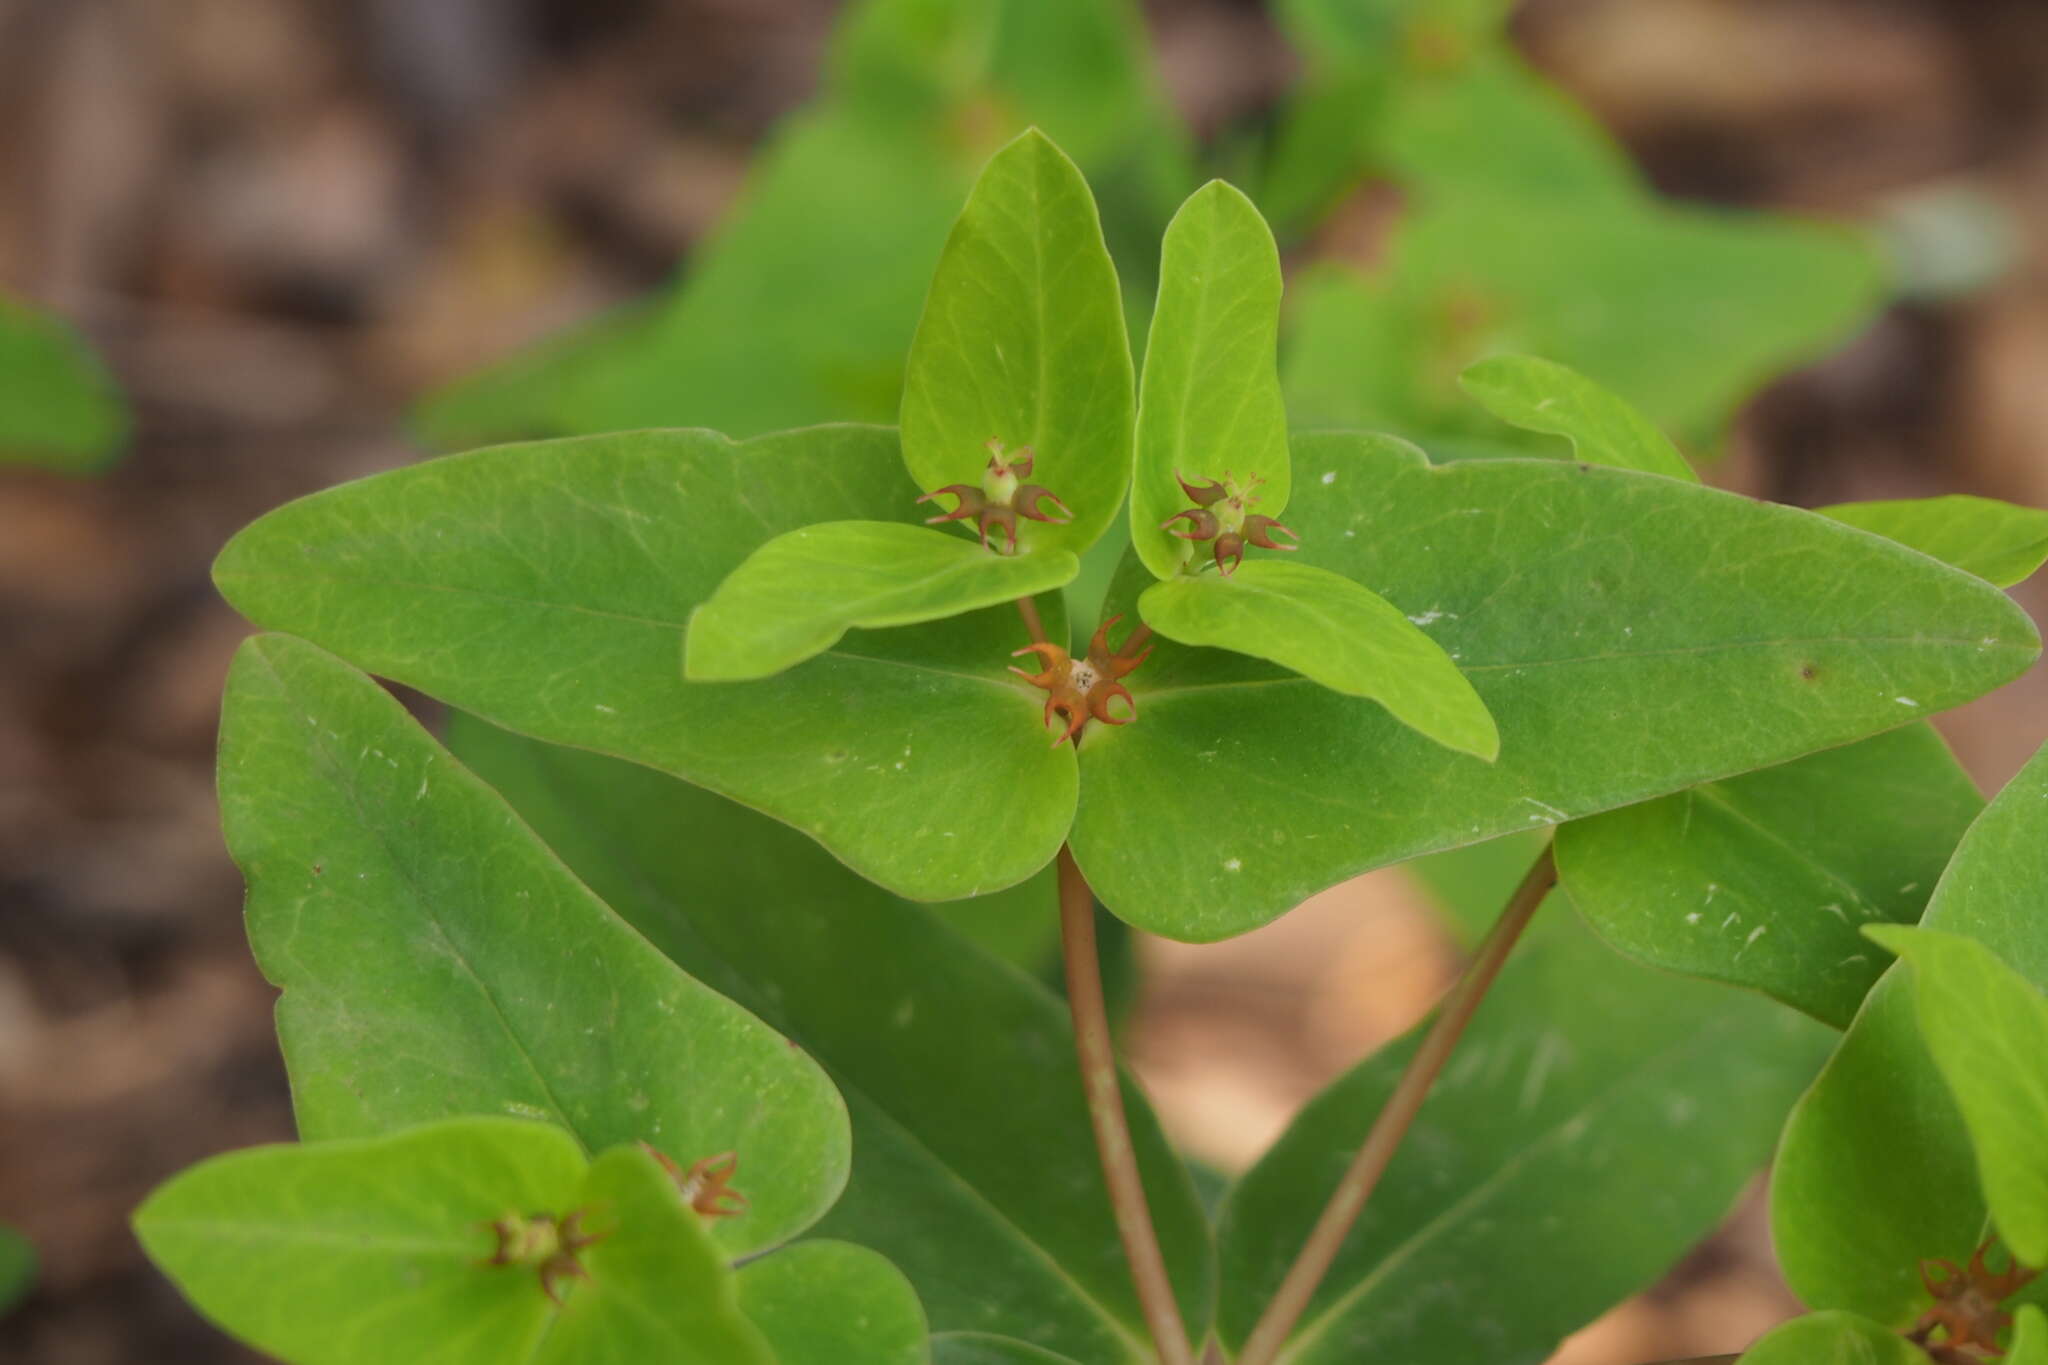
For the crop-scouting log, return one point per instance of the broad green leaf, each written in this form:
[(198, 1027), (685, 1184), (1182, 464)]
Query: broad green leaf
[(1765, 880), (437, 960), (58, 408), (379, 1249), (1334, 632), (1023, 342), (799, 594), (1631, 636), (1833, 1339), (1211, 404), (980, 1348), (974, 1171), (2030, 1338), (832, 1303), (1594, 1105), (1998, 541), (1880, 1121), (546, 587), (1986, 1027), (800, 306), (1541, 395), (17, 1267)]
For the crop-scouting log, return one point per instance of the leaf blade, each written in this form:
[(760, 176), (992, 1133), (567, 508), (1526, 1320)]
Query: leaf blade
[(1604, 428), (2001, 542), (834, 1303)]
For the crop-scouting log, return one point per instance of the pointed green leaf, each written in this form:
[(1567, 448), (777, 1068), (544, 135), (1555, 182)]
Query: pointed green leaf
[(832, 1303), (974, 1171), (1023, 342), (1998, 541), (2030, 1339), (1880, 1120), (1211, 402), (1631, 636), (799, 594), (1331, 631), (58, 408), (17, 1267), (546, 587), (1593, 1105), (1764, 880), (1986, 1027), (1603, 427), (437, 960), (1833, 1339)]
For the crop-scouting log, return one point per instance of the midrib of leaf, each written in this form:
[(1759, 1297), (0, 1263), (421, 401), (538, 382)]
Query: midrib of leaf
[(1581, 1119)]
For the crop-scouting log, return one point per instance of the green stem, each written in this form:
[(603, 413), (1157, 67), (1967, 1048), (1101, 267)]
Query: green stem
[(1317, 1254), (1104, 1092)]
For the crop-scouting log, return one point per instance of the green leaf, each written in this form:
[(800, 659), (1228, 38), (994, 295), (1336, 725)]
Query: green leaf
[(1541, 395), (2030, 1340), (832, 1303), (17, 1267), (1880, 1120), (1764, 880), (546, 587), (1631, 636), (1833, 1339), (974, 1171), (1333, 632), (799, 594), (1986, 1027), (1211, 402), (379, 1249), (437, 960), (58, 408), (1997, 541), (1593, 1105), (980, 1348), (1023, 342)]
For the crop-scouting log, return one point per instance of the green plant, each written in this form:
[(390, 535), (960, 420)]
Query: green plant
[(661, 1009), (58, 409)]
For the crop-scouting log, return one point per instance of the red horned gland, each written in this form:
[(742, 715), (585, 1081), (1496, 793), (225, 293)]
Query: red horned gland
[(1001, 498), (1967, 1303), (1081, 689), (549, 1244), (707, 1185), (1222, 514)]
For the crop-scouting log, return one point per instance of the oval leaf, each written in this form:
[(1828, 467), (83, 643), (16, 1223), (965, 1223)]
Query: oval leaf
[(1603, 427), (1833, 1339), (1331, 631), (1593, 1105), (1765, 880), (1998, 541), (1210, 403), (1023, 342), (437, 960), (799, 594), (833, 1303), (1630, 635), (974, 1171), (1879, 1120), (546, 587), (1986, 1027)]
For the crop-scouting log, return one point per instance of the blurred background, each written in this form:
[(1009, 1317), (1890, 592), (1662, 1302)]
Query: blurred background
[(280, 222)]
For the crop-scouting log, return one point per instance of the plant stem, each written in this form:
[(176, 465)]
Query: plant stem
[(1028, 609), (1263, 1346), (1100, 1084)]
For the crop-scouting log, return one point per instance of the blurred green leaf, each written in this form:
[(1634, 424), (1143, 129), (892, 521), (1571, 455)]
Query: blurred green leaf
[(1875, 1173), (546, 587), (1541, 395), (17, 1267), (1764, 880), (1986, 1027), (982, 1348), (831, 1303), (974, 1171), (58, 408), (1593, 1103), (799, 594), (1023, 343), (1210, 405), (437, 960), (1331, 631), (1998, 541), (1833, 1339), (1618, 668), (2030, 1339)]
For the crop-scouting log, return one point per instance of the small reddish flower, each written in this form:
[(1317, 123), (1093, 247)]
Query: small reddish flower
[(1002, 497), (1222, 514), (1082, 689), (549, 1244), (1967, 1303), (707, 1185)]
